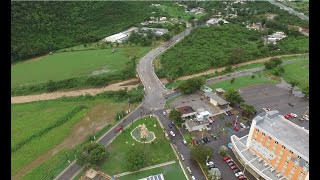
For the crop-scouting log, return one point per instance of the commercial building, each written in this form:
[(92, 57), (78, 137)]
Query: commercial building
[(274, 149), (216, 100)]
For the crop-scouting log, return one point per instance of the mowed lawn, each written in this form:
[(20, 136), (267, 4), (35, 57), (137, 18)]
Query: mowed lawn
[(30, 118), (172, 171), (66, 65), (157, 152), (297, 71), (241, 82)]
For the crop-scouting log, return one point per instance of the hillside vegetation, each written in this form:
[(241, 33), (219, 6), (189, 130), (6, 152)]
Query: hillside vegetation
[(212, 47), (40, 27)]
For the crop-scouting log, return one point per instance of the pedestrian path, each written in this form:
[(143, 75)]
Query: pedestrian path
[(146, 168)]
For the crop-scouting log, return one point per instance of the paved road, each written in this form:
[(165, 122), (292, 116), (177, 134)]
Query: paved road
[(290, 10), (180, 147), (154, 99), (245, 72)]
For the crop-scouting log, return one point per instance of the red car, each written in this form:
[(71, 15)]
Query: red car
[(226, 158), (119, 129), (234, 167), (288, 116), (242, 177), (231, 112)]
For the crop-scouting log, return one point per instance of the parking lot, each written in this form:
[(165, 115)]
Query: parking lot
[(276, 98), (196, 101)]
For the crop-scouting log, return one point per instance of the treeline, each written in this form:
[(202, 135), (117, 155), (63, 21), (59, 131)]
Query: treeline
[(213, 47), (38, 28), (79, 82), (44, 131)]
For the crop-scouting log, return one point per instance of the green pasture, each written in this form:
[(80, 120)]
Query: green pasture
[(65, 65), (241, 82)]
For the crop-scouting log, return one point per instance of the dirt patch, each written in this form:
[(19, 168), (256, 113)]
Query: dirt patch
[(98, 117), (270, 16), (234, 66), (94, 91)]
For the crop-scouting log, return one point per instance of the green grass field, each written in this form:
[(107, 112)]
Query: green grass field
[(296, 71), (66, 65), (157, 152), (176, 11), (172, 171), (241, 82), (31, 118)]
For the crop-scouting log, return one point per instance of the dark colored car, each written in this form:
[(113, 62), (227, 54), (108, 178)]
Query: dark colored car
[(242, 177), (198, 141), (172, 122), (202, 141), (290, 104), (205, 140), (231, 112), (208, 140), (170, 126)]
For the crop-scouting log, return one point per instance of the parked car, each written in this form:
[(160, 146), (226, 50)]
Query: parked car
[(193, 178), (234, 167), (188, 168), (164, 113), (290, 104), (294, 115), (172, 133), (170, 126), (230, 112), (213, 136), (226, 113), (243, 177), (238, 174), (184, 141), (236, 170), (119, 129), (198, 141), (182, 158), (207, 139), (266, 109), (226, 158), (248, 124), (305, 117), (229, 160), (172, 122), (231, 163), (243, 126), (202, 141)]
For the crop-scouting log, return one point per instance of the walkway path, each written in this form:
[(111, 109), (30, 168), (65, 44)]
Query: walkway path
[(146, 168)]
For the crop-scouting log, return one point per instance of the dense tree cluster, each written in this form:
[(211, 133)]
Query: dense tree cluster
[(191, 85), (176, 117), (233, 97), (38, 28), (90, 154), (200, 153)]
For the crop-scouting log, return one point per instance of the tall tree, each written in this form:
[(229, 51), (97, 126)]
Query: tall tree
[(305, 91), (233, 96), (237, 55), (247, 110), (176, 117), (200, 153), (90, 154), (135, 160), (191, 85)]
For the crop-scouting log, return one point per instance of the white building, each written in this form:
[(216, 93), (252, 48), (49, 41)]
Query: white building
[(277, 36), (214, 21), (120, 37)]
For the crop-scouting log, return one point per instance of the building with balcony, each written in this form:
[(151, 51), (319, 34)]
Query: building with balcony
[(274, 149)]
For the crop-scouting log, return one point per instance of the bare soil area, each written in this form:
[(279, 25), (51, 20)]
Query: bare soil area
[(47, 96)]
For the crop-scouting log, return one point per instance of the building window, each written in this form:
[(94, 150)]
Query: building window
[(263, 134), (269, 138), (268, 143), (283, 147), (299, 157), (281, 152), (283, 170), (302, 174), (286, 162), (294, 167), (276, 142), (291, 152)]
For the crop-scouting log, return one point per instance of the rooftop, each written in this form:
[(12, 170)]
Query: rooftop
[(285, 131), (220, 90), (192, 123), (185, 110), (217, 98)]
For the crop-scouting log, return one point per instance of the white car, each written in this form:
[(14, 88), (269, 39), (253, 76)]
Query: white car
[(193, 178), (294, 115), (266, 109), (182, 158), (238, 174), (164, 113), (172, 133), (305, 117), (242, 125), (184, 141), (188, 168)]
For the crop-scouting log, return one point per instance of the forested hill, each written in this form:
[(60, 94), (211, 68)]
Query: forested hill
[(40, 27)]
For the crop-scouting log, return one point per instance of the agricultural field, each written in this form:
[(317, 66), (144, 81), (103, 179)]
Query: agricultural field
[(159, 151), (213, 47), (66, 65), (38, 127), (241, 82), (172, 171)]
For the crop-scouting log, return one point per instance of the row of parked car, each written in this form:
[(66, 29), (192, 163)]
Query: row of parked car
[(228, 113), (203, 140), (237, 172)]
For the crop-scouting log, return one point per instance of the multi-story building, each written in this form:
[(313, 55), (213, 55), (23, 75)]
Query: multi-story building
[(274, 149)]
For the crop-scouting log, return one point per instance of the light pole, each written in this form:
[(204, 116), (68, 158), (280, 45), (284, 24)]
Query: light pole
[(245, 165)]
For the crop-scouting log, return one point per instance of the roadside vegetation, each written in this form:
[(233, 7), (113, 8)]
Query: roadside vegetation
[(41, 27), (158, 151), (33, 124)]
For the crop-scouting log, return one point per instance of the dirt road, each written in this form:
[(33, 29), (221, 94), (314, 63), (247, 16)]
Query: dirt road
[(47, 96)]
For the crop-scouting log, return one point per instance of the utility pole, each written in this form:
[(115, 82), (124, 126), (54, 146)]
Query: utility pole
[(94, 136)]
